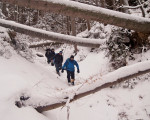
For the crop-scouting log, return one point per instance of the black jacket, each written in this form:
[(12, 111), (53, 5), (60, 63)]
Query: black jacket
[(50, 54), (58, 59)]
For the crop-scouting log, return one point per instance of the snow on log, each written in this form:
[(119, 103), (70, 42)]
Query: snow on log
[(89, 12), (91, 86), (56, 37)]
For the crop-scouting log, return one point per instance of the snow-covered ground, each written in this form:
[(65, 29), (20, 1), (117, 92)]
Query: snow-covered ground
[(39, 80), (109, 104), (18, 76)]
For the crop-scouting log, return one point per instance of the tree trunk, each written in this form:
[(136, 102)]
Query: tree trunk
[(43, 44), (74, 9), (110, 4), (88, 25), (68, 26), (142, 9), (103, 3), (35, 17), (125, 2), (73, 29), (96, 3), (4, 9)]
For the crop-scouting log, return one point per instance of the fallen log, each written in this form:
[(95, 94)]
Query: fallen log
[(89, 12), (43, 44), (56, 37), (116, 76)]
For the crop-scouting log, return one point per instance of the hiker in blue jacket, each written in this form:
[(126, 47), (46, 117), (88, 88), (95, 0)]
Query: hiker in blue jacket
[(69, 67)]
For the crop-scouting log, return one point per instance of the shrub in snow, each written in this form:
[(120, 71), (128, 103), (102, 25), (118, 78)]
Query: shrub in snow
[(24, 51), (122, 116), (118, 47), (21, 46), (5, 49), (9, 45)]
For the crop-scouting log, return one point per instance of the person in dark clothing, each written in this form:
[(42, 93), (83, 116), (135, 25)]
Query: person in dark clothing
[(47, 55), (58, 59), (69, 66), (50, 53)]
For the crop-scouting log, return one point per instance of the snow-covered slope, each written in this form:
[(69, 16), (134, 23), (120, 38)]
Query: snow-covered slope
[(109, 104), (18, 77), (39, 80)]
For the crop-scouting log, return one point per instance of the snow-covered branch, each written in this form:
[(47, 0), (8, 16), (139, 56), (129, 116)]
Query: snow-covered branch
[(130, 7), (56, 37), (71, 8), (133, 7)]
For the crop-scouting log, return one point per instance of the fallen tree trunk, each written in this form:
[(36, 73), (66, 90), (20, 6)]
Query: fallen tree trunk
[(43, 44), (116, 75), (56, 37), (71, 8)]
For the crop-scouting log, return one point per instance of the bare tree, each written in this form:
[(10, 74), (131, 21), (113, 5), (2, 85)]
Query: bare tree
[(88, 25), (141, 7), (4, 9)]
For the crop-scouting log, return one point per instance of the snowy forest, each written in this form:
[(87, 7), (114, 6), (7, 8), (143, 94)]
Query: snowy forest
[(74, 59)]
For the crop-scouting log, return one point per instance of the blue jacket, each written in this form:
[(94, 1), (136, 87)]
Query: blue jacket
[(69, 65)]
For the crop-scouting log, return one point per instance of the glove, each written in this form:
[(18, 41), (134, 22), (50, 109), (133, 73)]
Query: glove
[(62, 70), (78, 71)]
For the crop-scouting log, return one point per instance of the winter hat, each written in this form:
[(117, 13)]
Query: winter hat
[(60, 52), (48, 49), (72, 56)]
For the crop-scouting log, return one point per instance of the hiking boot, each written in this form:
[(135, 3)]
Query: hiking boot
[(72, 81), (69, 83), (58, 73)]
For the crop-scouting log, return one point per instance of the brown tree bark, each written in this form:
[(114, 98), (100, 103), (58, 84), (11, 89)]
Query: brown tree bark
[(88, 25), (68, 25), (43, 44)]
